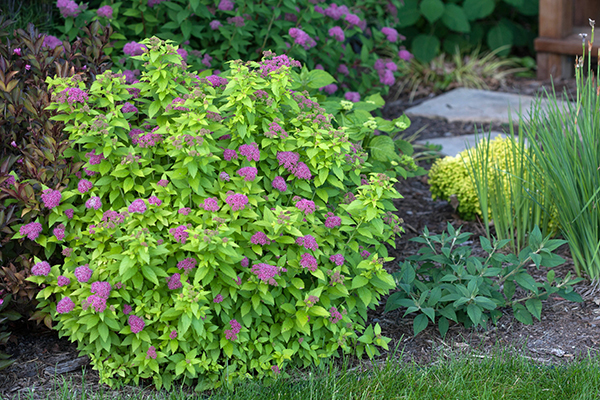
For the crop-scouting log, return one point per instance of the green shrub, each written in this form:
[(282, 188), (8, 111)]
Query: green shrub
[(446, 283), (434, 26), (220, 228), (345, 39)]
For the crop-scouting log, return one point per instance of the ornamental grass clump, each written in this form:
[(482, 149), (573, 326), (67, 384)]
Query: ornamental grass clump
[(227, 289)]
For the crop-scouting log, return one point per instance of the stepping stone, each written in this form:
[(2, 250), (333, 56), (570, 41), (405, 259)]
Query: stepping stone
[(474, 105), (453, 145)]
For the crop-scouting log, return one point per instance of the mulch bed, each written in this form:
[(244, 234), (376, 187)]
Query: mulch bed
[(567, 330)]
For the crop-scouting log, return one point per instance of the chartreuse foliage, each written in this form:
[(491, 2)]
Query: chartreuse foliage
[(446, 283), (216, 288)]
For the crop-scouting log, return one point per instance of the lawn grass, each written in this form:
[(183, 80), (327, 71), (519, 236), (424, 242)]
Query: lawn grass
[(501, 376)]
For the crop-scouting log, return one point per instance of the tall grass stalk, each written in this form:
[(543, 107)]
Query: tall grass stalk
[(566, 142), (506, 186)]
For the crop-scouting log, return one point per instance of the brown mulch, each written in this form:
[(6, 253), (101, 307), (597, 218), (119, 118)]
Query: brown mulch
[(567, 330)]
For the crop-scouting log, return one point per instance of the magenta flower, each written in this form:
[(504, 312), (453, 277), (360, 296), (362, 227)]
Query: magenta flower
[(214, 25), (332, 221), (365, 254), (94, 203), (405, 55), (41, 269), (230, 154), (330, 89), (343, 69), (184, 210), (216, 81), (173, 334), (152, 3), (218, 299), (302, 38), (179, 234), (136, 323), (127, 309), (352, 96), (260, 238), (62, 280), (309, 262), (308, 242), (337, 33), (337, 259), (248, 173), (84, 185), (155, 201), (138, 206), (390, 33), (250, 151), (68, 8), (237, 201), (51, 42), (128, 107), (210, 204), (134, 49), (187, 264), (237, 21), (32, 230), (59, 232), (353, 19), (151, 353), (97, 303), (225, 5), (236, 327), (65, 305), (17, 51), (267, 272), (308, 206), (336, 316), (83, 273), (72, 95), (245, 262), (175, 282), (275, 130), (27, 67), (183, 53), (279, 183), (101, 289), (51, 198), (105, 12), (163, 183)]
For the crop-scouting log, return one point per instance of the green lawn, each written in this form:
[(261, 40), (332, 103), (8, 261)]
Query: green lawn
[(503, 376)]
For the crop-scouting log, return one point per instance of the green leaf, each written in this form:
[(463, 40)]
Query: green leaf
[(382, 148), (103, 331), (455, 19), (287, 325), (522, 315), (409, 14), (500, 36), (318, 78), (478, 9), (474, 313), (509, 290), (154, 108), (420, 323), (516, 3), (526, 281), (359, 281), (534, 306), (425, 47), (149, 274), (432, 10)]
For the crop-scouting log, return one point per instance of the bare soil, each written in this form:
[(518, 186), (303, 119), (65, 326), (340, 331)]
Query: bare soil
[(567, 330)]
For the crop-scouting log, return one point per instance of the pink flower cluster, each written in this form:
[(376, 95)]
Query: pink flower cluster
[(101, 288), (105, 11), (41, 269), (136, 323), (336, 316), (72, 95), (184, 210), (127, 309), (365, 254), (94, 203), (98, 303), (405, 55), (352, 96), (155, 201), (152, 3), (275, 130), (214, 25), (173, 334), (187, 264), (179, 234), (32, 230), (111, 219), (290, 161), (237, 201), (250, 151), (224, 176), (276, 63), (83, 273), (128, 107), (84, 185), (330, 89), (267, 273), (308, 206), (386, 71), (390, 33), (216, 81), (62, 281), (183, 53), (51, 42), (230, 154), (218, 299), (245, 262), (337, 33), (332, 221), (210, 204), (151, 353), (238, 21), (236, 327), (70, 213), (175, 282), (59, 232), (163, 183), (137, 206), (225, 5), (309, 262), (51, 198), (279, 183), (65, 305), (311, 301), (134, 49), (94, 158), (343, 69), (308, 242), (260, 238), (248, 173), (302, 38), (68, 8), (337, 259)]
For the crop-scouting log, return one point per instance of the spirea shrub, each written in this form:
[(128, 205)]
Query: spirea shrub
[(260, 271), (346, 39)]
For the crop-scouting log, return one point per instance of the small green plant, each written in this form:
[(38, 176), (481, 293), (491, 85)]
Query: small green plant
[(219, 229), (446, 283)]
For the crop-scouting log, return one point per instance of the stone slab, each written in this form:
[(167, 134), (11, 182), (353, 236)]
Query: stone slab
[(453, 145), (474, 105)]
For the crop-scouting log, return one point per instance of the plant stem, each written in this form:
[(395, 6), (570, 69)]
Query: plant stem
[(268, 30)]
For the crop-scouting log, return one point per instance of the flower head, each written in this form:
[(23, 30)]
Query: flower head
[(302, 38), (136, 323), (250, 151), (248, 173), (390, 33), (173, 334), (51, 198), (105, 11), (337, 259), (309, 262), (151, 353), (134, 49), (83, 273), (62, 280), (279, 183), (175, 282), (236, 327), (32, 230), (352, 96), (84, 185), (336, 316), (137, 206), (260, 238), (218, 299), (65, 305), (267, 272), (210, 204), (94, 203), (59, 232), (41, 269), (237, 201), (337, 33), (214, 25), (225, 5), (51, 42), (68, 8), (101, 289), (308, 206)]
